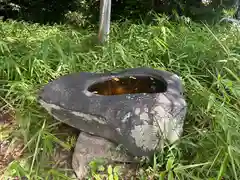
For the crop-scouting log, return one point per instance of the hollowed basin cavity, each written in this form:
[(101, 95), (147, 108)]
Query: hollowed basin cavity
[(129, 85)]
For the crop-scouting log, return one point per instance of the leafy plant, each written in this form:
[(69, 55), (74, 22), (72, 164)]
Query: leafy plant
[(205, 57)]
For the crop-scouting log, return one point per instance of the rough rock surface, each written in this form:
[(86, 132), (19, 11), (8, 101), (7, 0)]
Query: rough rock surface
[(140, 122), (89, 148)]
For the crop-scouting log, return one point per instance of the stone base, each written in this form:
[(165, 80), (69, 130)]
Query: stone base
[(89, 148)]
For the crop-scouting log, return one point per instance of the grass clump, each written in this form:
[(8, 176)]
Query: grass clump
[(207, 58)]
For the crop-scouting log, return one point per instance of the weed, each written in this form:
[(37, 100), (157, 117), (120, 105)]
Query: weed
[(207, 58)]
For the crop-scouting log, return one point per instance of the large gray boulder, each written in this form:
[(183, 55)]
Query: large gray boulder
[(144, 109)]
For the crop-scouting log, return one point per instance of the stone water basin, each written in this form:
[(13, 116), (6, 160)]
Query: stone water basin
[(138, 108)]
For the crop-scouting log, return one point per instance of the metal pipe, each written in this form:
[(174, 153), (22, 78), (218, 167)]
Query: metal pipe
[(105, 19)]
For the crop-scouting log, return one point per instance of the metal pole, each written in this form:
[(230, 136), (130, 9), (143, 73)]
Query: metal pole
[(237, 13), (105, 19)]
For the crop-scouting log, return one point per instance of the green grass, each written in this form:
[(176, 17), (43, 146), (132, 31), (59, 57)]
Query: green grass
[(206, 57)]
